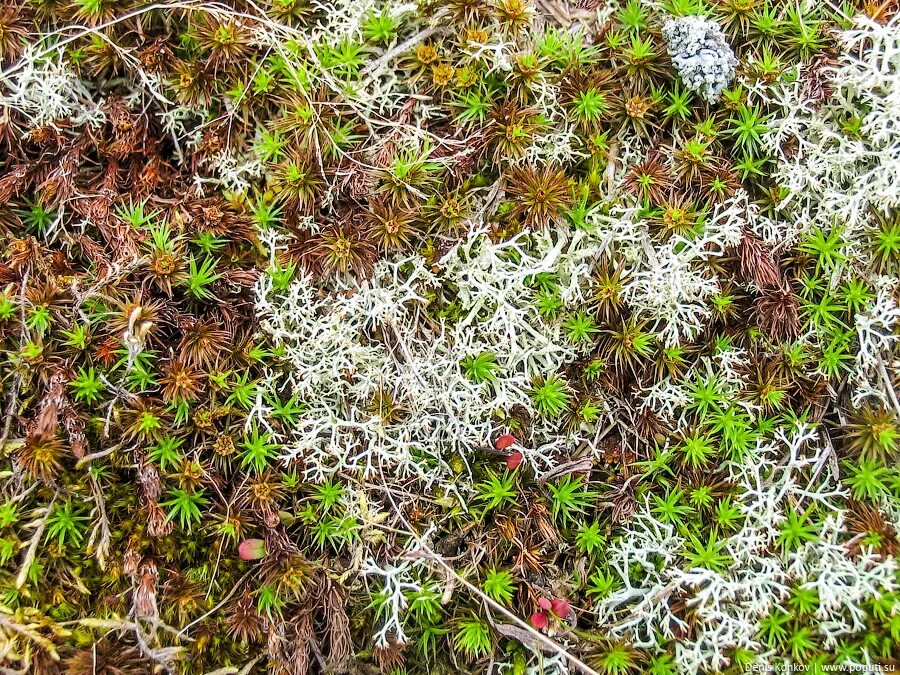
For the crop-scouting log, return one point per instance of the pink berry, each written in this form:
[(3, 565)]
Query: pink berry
[(560, 608), (252, 549), (544, 603)]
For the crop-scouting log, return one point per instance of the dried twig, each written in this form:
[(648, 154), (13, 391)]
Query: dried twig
[(13, 400), (35, 541), (392, 53)]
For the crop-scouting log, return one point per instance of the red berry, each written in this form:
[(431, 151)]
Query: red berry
[(544, 603), (513, 460), (539, 620), (505, 441)]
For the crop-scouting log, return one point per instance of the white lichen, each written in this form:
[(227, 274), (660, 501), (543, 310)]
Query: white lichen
[(338, 369), (728, 604), (701, 54), (46, 90)]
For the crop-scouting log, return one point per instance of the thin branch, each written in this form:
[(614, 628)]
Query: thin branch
[(87, 459), (17, 381), (392, 53), (35, 541)]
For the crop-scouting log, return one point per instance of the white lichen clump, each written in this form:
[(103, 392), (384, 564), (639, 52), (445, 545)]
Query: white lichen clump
[(838, 157), (701, 54), (415, 366), (756, 575), (840, 178), (670, 284), (47, 90)]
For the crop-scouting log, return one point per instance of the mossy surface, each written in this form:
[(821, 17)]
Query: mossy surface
[(449, 337)]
